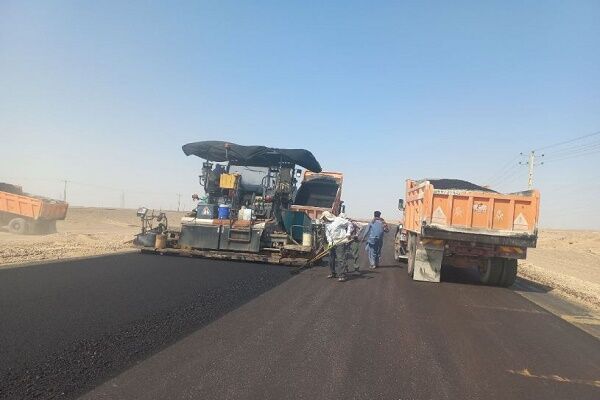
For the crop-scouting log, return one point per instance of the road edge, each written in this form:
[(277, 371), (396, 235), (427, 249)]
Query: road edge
[(575, 313), (59, 260)]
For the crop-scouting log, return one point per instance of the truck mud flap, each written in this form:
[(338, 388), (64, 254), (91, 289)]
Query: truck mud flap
[(428, 262)]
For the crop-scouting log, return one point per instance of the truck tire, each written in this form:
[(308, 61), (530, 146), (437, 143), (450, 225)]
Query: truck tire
[(491, 271), (509, 272), (17, 225), (412, 251)]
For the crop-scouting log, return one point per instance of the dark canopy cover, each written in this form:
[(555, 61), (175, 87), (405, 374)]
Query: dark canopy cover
[(252, 156)]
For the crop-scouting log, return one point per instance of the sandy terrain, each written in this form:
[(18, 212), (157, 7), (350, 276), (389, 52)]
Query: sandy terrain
[(85, 232), (566, 261)]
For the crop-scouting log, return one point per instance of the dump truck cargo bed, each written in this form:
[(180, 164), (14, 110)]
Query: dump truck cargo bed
[(472, 211), (32, 207)]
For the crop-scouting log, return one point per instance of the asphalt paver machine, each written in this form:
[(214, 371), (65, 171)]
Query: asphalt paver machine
[(248, 212)]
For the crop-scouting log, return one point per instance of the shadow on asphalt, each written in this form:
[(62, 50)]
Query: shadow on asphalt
[(530, 286), (470, 276), (460, 275), (101, 316)]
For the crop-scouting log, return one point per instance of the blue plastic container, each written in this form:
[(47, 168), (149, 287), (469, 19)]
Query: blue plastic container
[(224, 211)]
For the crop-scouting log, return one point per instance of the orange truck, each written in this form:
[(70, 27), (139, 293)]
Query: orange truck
[(23, 213), (457, 223)]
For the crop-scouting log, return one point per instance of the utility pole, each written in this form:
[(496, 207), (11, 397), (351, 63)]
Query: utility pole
[(531, 164), (178, 201), (65, 191)]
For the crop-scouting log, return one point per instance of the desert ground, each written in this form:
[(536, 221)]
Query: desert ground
[(566, 261), (85, 232)]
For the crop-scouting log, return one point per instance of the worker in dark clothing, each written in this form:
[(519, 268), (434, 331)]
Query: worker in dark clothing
[(354, 247), (374, 238)]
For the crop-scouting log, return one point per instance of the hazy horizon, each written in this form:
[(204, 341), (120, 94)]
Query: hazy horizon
[(104, 95)]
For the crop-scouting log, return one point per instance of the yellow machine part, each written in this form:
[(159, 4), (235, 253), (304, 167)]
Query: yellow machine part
[(228, 181)]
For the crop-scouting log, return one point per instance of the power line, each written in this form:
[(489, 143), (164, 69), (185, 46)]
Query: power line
[(562, 154), (507, 177), (578, 147), (508, 173), (574, 156), (568, 141), (575, 151), (69, 187), (502, 171)]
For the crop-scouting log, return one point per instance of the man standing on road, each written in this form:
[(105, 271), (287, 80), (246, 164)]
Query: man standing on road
[(338, 233), (354, 246), (374, 237)]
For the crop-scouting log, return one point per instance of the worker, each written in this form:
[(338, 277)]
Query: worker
[(354, 246), (327, 219), (338, 234), (195, 201), (374, 238), (194, 212)]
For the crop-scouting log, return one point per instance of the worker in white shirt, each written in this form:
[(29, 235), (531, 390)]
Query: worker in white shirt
[(338, 232)]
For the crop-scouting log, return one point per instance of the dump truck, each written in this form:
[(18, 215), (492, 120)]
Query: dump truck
[(261, 204), (457, 223), (24, 213)]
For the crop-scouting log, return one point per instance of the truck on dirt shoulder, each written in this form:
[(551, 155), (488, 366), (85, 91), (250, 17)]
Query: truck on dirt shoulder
[(23, 213), (457, 223)]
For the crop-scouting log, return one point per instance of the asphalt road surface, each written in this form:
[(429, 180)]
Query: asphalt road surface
[(148, 327)]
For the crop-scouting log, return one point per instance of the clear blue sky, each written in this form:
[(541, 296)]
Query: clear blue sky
[(105, 93)]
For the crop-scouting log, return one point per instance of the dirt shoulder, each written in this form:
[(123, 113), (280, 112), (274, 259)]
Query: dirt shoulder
[(568, 262), (85, 232)]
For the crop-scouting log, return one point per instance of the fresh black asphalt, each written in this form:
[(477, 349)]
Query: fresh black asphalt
[(152, 327), (65, 327)]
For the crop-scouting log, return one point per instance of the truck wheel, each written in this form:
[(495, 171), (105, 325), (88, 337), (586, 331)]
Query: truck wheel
[(412, 250), (17, 225), (491, 271), (509, 272)]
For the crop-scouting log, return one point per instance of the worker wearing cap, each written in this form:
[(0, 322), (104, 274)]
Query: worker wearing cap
[(374, 238), (338, 234)]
